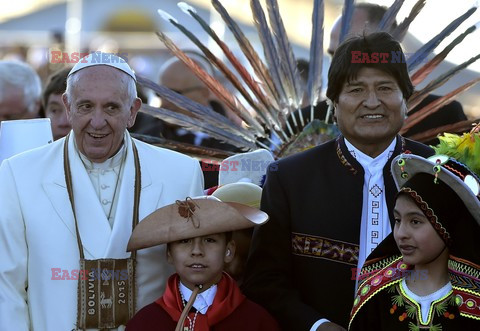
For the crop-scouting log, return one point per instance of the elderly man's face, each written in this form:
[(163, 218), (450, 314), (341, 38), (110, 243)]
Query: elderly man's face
[(370, 110), (12, 105), (100, 111)]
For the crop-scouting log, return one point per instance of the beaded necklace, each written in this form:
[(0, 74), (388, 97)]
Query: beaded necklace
[(191, 322)]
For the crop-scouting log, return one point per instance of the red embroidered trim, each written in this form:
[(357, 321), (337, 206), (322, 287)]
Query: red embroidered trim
[(428, 213)]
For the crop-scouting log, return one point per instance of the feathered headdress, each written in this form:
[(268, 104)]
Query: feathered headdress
[(273, 91), (464, 148)]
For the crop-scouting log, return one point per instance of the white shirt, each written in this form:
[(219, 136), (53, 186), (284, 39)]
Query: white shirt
[(426, 301), (375, 223), (106, 178), (203, 300)]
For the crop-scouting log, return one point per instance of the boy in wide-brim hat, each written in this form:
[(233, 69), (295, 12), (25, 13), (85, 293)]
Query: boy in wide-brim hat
[(199, 243)]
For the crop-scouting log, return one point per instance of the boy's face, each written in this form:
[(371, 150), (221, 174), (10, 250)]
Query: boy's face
[(415, 236), (200, 260)]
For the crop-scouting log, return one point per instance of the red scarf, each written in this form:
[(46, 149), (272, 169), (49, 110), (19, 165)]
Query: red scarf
[(227, 299)]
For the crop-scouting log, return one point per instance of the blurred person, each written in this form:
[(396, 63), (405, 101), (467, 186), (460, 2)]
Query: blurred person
[(53, 106), (20, 91), (178, 77)]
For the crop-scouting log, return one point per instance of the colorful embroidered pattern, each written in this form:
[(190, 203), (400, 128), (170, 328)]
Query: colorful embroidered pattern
[(465, 280), (404, 309), (386, 274), (343, 159), (325, 248), (374, 279), (413, 310), (370, 270)]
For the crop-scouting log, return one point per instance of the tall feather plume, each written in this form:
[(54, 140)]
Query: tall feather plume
[(272, 59), (426, 49), (457, 127), (314, 84), (257, 64), (195, 124), (424, 71), (222, 93), (248, 79), (197, 110), (399, 32), (287, 58), (347, 14), (418, 96), (222, 67), (435, 105), (200, 152), (389, 17)]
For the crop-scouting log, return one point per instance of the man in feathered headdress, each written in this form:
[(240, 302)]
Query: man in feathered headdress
[(366, 18), (329, 206)]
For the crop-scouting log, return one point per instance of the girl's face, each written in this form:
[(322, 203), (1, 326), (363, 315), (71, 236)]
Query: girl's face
[(415, 236)]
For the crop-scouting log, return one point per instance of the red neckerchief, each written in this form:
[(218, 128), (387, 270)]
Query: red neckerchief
[(227, 299)]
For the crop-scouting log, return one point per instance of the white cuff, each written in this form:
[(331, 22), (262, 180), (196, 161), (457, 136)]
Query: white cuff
[(318, 323)]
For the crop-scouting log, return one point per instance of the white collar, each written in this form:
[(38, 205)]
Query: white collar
[(110, 163), (366, 161), (203, 300)]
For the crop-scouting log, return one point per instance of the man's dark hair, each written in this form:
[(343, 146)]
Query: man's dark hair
[(343, 69), (374, 12), (56, 84), (303, 66)]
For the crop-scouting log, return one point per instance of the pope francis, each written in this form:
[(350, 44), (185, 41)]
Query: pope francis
[(68, 209)]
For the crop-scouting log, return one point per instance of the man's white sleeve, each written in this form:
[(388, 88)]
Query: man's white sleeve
[(13, 256)]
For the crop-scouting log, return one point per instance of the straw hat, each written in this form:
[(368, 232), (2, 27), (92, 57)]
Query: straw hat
[(245, 193), (193, 218)]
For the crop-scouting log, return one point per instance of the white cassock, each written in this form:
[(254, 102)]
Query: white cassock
[(37, 229)]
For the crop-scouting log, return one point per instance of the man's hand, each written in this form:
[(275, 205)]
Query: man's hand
[(329, 326)]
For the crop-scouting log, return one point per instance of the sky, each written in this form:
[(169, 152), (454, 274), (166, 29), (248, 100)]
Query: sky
[(431, 20), (434, 17)]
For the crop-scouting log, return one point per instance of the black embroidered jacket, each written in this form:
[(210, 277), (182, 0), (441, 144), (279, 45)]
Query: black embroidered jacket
[(301, 262)]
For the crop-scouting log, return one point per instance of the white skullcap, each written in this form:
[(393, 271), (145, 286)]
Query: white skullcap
[(106, 59)]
